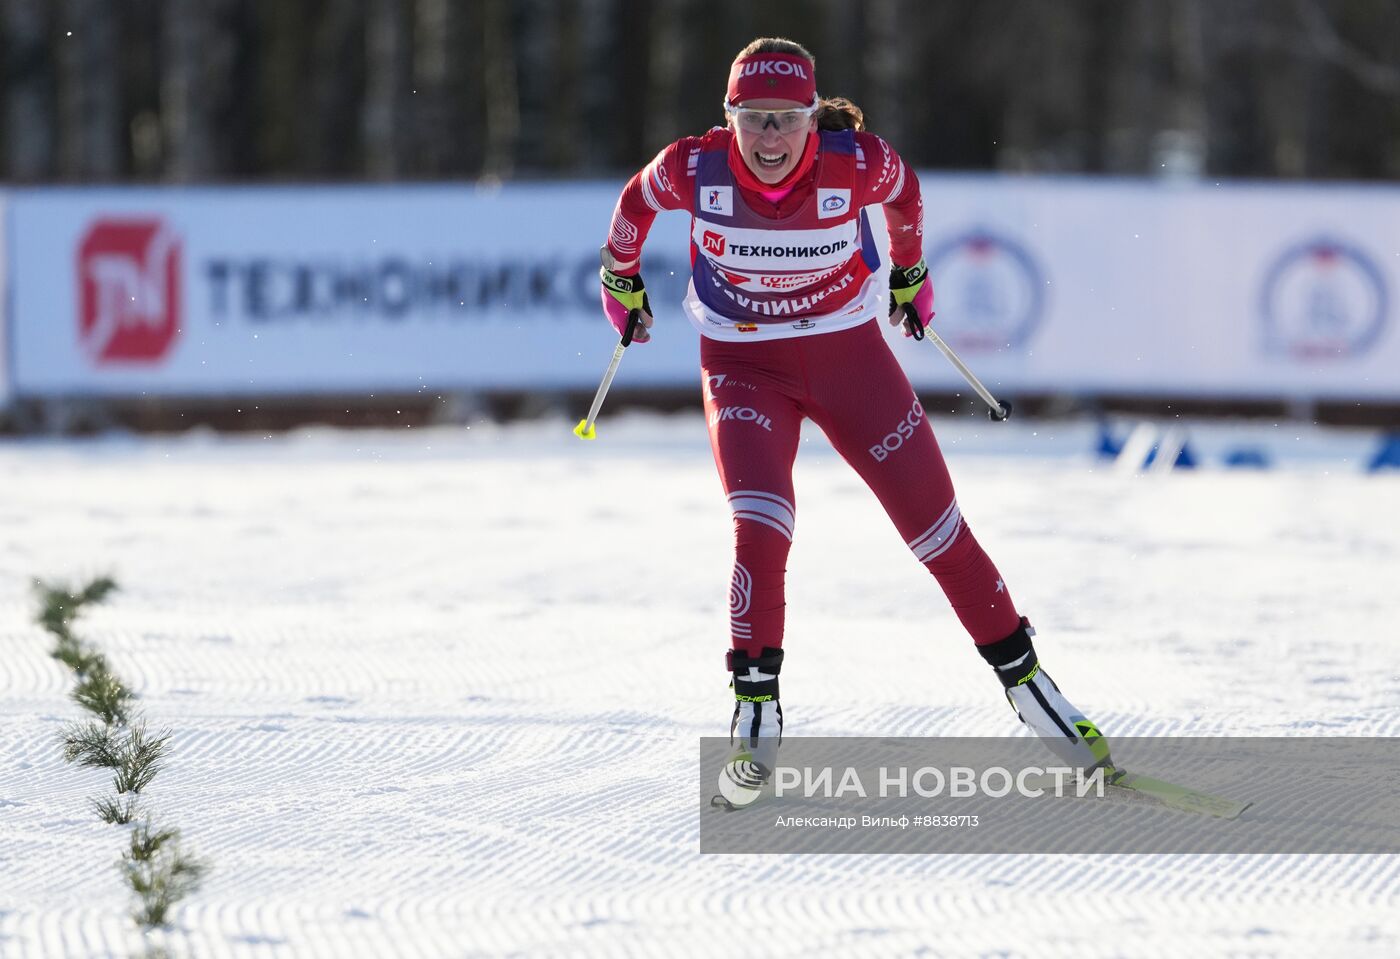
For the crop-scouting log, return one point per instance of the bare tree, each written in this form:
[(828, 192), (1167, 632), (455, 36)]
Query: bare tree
[(29, 135), (332, 129), (536, 30), (182, 111), (1040, 53), (1180, 148), (388, 73), (841, 28), (1095, 80), (662, 96), (597, 38), (281, 85), (198, 89), (1137, 76), (633, 73), (430, 107), (200, 44), (502, 95), (91, 90), (883, 95), (467, 85), (1320, 34)]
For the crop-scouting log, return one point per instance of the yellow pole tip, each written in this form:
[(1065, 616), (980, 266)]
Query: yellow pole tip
[(585, 430)]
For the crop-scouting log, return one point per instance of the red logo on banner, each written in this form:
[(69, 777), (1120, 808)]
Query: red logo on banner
[(714, 243), (128, 290)]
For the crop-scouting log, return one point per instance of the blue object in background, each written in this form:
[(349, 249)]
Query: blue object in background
[(1108, 447), (1387, 456), (1248, 457), (1185, 459)]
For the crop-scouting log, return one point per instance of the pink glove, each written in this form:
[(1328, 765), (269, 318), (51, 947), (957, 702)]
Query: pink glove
[(622, 295)]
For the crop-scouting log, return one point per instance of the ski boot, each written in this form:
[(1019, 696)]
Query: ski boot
[(1041, 706), (756, 729)]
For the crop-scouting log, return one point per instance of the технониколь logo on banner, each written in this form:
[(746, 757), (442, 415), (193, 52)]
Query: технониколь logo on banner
[(128, 290)]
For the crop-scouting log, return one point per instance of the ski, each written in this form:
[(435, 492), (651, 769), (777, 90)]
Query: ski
[(1177, 797), (1122, 785)]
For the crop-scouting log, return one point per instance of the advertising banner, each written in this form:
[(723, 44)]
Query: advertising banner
[(4, 304), (329, 290), (1069, 285), (1086, 285)]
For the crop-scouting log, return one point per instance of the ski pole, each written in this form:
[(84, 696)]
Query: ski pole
[(998, 411), (585, 430)]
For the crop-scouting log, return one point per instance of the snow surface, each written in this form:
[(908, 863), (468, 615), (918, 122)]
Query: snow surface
[(439, 692)]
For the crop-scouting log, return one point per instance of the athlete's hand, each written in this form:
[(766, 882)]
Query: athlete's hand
[(911, 298), (622, 295)]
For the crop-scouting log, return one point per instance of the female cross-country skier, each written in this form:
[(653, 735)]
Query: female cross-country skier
[(785, 294)]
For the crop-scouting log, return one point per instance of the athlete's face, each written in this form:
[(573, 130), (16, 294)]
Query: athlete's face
[(770, 153)]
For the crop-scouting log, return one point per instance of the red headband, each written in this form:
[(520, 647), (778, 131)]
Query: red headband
[(781, 76)]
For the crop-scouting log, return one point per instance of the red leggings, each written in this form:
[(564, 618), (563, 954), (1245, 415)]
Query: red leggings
[(849, 383)]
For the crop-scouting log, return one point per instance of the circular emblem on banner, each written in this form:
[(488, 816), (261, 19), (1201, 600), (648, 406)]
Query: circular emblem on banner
[(1322, 298), (990, 294)]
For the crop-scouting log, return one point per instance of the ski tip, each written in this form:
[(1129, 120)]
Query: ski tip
[(1239, 808), (719, 802), (586, 430)]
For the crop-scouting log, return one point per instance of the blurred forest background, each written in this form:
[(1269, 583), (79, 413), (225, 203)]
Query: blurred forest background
[(220, 90)]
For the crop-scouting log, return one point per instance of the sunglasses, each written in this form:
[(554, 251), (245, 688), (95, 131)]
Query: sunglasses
[(756, 121)]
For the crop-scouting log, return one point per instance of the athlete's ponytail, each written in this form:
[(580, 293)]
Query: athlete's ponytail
[(838, 113), (833, 113)]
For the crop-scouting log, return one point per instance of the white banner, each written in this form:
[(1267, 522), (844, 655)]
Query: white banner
[(349, 290), (1043, 285), (5, 302), (1086, 285)]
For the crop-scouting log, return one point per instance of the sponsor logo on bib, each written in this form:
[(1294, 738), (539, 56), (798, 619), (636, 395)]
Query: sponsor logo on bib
[(718, 199), (832, 203)]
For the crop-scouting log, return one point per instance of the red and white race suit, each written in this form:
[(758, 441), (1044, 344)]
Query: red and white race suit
[(785, 294)]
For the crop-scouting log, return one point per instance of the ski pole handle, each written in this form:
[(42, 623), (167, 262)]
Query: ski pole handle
[(633, 318), (912, 321), (585, 429)]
